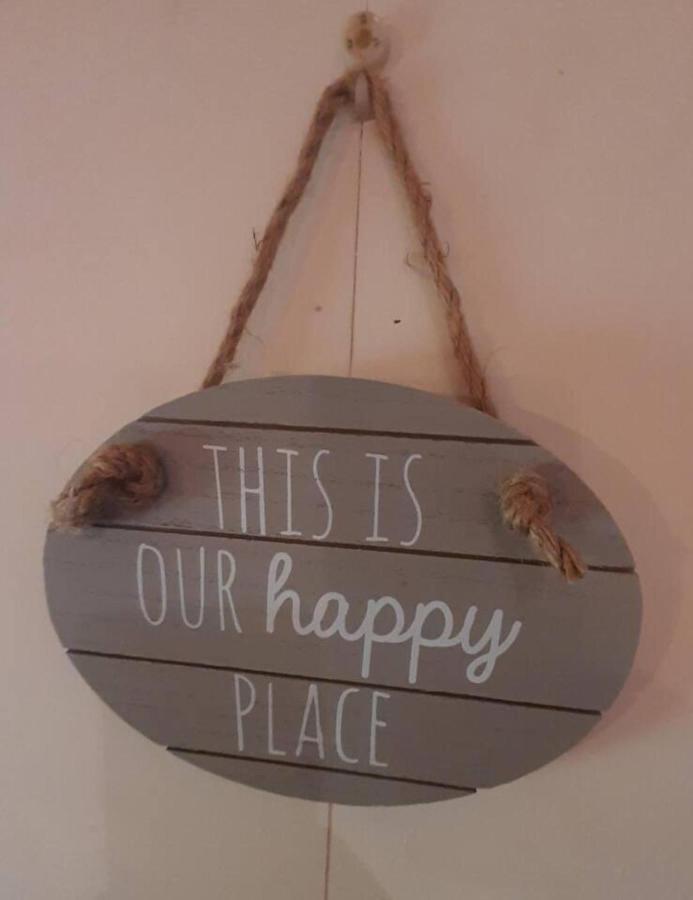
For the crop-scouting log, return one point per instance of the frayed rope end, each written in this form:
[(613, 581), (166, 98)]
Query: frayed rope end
[(117, 476), (525, 502)]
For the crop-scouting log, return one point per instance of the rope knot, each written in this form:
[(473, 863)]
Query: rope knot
[(525, 498), (526, 506), (115, 477)]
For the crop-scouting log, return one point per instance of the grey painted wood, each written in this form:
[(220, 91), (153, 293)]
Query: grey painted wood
[(574, 649), (465, 743), (313, 784), (486, 662), (324, 401), (455, 484)]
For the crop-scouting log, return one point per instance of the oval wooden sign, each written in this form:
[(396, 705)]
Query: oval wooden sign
[(325, 603)]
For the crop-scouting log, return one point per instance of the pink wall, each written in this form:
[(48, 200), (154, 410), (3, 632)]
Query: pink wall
[(141, 143)]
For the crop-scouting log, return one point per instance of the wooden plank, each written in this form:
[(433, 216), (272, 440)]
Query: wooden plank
[(434, 495), (317, 784), (323, 401), (390, 735), (574, 647)]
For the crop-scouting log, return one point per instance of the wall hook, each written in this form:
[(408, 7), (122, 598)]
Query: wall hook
[(367, 45)]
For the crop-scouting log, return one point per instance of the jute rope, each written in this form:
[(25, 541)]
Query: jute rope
[(132, 475), (336, 96), (526, 505), (419, 199), (117, 476)]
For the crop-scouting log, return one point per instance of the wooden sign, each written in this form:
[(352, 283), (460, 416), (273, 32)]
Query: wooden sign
[(325, 602)]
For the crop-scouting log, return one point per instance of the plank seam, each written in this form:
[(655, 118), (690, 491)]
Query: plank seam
[(219, 667), (315, 768), (357, 432), (338, 545)]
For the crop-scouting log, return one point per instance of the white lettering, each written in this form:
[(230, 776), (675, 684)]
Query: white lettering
[(279, 571), (338, 727), (481, 669), (325, 497), (383, 622), (224, 583), (370, 636), (162, 583), (423, 611), (415, 502), (312, 710), (216, 450), (181, 590), (289, 530), (320, 611), (271, 749), (245, 490), (375, 724), (242, 711), (375, 537)]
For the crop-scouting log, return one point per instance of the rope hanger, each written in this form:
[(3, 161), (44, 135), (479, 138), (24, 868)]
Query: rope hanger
[(336, 96), (132, 475)]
